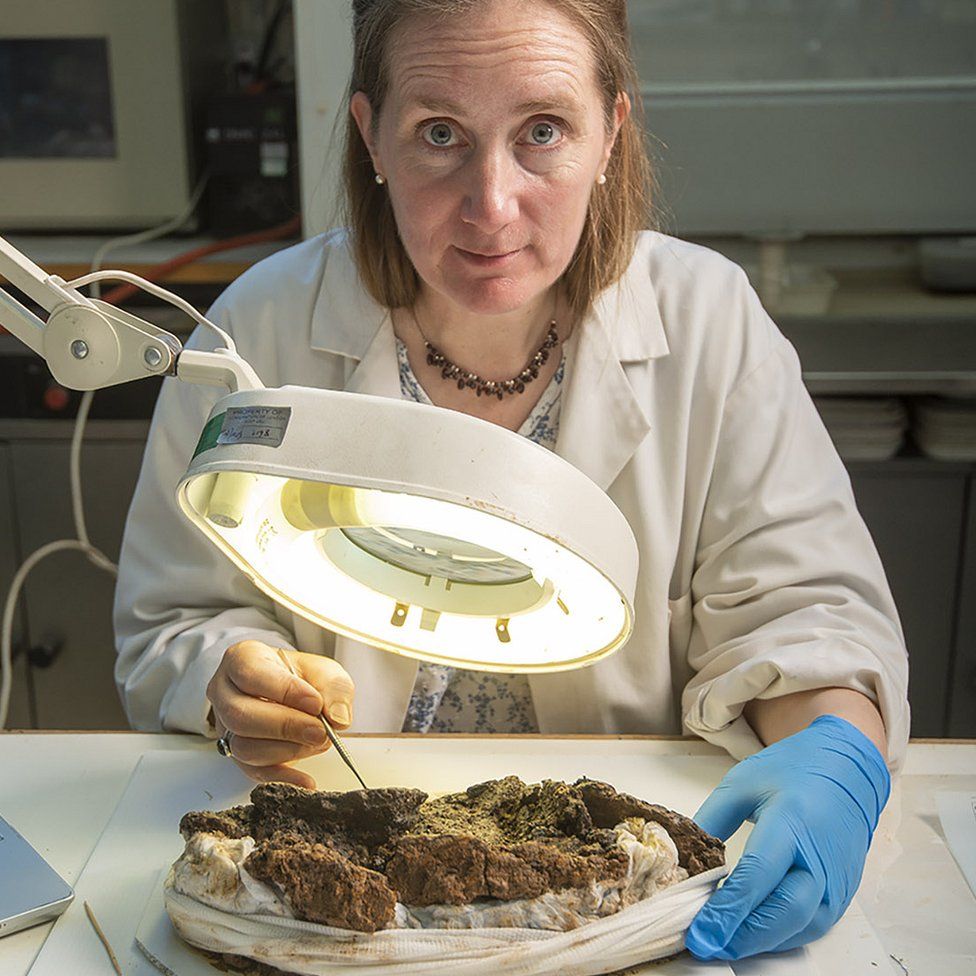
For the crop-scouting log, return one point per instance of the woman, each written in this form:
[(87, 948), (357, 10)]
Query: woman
[(496, 184)]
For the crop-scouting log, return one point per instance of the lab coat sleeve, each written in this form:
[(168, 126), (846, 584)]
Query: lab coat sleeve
[(788, 590), (179, 602)]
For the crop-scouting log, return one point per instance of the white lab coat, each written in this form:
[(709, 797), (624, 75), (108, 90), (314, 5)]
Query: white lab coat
[(683, 401)]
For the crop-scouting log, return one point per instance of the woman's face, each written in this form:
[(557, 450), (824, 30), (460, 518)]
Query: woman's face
[(491, 139)]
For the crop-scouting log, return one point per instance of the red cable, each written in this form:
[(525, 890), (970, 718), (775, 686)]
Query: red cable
[(120, 293), (288, 229)]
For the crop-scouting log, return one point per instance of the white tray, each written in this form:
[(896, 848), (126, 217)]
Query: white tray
[(142, 838)]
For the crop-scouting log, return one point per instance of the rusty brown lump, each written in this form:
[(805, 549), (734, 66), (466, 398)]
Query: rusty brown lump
[(345, 859)]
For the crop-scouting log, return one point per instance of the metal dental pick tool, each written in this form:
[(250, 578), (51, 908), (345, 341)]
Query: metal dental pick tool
[(329, 731)]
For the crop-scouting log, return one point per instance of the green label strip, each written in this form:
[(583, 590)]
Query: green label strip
[(211, 432)]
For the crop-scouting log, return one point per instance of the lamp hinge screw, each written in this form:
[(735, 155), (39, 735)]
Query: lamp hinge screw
[(79, 348), (153, 357)]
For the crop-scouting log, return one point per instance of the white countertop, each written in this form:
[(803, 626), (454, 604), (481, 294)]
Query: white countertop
[(60, 790)]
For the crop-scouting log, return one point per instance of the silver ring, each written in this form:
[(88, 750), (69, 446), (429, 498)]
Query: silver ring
[(223, 745)]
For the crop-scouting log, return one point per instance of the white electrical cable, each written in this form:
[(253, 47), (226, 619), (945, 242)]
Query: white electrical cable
[(153, 233), (82, 542), (94, 554), (156, 290), (128, 240), (6, 653)]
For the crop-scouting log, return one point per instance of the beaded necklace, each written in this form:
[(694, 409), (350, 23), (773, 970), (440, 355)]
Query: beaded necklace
[(500, 388)]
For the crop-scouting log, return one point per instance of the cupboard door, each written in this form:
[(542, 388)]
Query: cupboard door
[(21, 702), (69, 600), (915, 514), (962, 696)]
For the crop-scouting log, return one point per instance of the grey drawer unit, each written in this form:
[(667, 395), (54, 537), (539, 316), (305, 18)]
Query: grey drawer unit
[(20, 715), (68, 601), (962, 685), (915, 511)]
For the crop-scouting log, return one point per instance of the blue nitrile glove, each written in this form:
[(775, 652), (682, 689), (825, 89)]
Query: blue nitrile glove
[(815, 798)]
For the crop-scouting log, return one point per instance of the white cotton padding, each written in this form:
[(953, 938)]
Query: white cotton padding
[(576, 932), (648, 930)]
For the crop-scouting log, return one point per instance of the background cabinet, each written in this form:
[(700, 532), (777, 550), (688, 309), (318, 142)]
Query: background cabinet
[(921, 514), (916, 510), (962, 686), (68, 601), (21, 711)]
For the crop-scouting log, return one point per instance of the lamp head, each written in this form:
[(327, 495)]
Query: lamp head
[(409, 527), (416, 529)]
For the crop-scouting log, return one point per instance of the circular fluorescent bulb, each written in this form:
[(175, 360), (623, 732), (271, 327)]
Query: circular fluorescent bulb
[(415, 529)]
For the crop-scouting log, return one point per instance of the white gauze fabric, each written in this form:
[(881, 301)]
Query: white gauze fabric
[(215, 904)]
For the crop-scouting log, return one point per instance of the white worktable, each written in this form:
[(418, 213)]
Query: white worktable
[(60, 790)]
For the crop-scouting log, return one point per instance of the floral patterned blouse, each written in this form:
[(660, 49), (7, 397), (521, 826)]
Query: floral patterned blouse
[(447, 699)]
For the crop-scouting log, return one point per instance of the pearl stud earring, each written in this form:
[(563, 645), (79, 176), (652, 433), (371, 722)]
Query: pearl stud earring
[(380, 178), (601, 179)]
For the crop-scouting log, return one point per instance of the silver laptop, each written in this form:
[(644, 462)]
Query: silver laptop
[(31, 891)]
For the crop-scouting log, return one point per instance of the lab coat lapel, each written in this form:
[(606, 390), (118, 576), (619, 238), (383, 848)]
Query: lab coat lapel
[(347, 322), (603, 420), (603, 417), (384, 681), (378, 372)]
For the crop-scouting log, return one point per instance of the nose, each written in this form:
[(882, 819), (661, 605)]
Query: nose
[(491, 191)]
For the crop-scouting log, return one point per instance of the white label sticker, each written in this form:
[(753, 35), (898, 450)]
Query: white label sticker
[(255, 425)]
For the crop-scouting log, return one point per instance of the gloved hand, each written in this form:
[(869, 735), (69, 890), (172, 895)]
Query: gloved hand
[(815, 798)]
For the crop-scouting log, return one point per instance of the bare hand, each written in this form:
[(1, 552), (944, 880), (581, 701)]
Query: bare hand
[(272, 714)]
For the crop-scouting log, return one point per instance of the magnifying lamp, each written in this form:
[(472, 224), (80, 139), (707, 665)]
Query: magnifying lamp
[(412, 528)]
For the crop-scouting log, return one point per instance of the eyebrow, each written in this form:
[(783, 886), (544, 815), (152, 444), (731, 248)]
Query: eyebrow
[(437, 104)]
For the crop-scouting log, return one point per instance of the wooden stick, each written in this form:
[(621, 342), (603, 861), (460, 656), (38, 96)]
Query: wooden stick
[(101, 935)]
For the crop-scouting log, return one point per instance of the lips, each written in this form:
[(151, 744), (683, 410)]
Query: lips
[(488, 260)]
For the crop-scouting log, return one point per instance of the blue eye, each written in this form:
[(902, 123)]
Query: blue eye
[(543, 134), (439, 134)]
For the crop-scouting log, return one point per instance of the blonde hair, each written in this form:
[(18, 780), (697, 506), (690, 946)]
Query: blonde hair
[(616, 212)]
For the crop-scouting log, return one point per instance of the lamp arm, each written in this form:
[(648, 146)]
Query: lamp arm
[(219, 368), (89, 344)]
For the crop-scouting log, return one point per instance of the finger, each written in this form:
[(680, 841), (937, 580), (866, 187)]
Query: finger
[(278, 774), (267, 752), (331, 681), (768, 856), (727, 807), (821, 923), (271, 752), (256, 670), (789, 909), (245, 715)]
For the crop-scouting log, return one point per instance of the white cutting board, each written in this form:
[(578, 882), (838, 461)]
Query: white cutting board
[(142, 836)]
